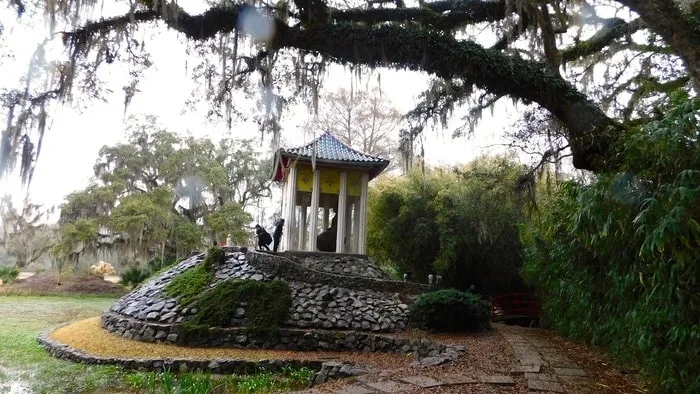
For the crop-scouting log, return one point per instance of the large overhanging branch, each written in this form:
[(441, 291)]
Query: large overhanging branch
[(614, 29), (443, 15), (591, 132)]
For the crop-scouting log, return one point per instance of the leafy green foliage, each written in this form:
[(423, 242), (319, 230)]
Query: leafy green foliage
[(188, 383), (616, 260), (8, 274), (450, 310), (229, 219), (161, 190), (82, 232), (461, 224), (134, 276), (158, 264), (266, 304), (29, 238)]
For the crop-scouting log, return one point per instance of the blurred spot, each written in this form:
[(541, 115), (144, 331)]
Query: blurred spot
[(191, 189), (252, 22)]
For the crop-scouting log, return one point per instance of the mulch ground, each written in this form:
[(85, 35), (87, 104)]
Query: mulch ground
[(487, 354), (44, 283)]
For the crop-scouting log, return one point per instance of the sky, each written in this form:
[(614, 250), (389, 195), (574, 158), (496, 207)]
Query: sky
[(75, 136)]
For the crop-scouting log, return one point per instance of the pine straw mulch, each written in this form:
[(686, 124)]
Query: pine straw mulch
[(87, 335), (486, 354)]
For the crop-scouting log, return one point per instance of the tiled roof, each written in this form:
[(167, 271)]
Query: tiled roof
[(330, 148)]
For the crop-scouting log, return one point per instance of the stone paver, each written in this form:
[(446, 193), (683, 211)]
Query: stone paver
[(497, 379), (458, 379), (541, 376), (390, 386), (422, 381), (570, 371), (356, 389), (525, 368), (544, 385)]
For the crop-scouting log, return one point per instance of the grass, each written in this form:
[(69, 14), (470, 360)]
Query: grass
[(25, 364), (29, 365), (185, 383)]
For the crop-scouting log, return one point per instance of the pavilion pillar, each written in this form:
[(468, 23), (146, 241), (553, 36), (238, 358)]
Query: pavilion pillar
[(302, 227), (348, 226), (362, 228), (289, 213), (342, 202), (326, 211), (313, 225), (356, 225)]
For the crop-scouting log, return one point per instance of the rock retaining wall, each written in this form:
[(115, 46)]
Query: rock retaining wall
[(281, 266), (350, 265), (287, 339), (321, 301)]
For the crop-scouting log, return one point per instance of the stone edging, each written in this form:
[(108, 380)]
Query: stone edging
[(325, 370), (228, 366)]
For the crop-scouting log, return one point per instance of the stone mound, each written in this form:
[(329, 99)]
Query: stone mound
[(339, 302)]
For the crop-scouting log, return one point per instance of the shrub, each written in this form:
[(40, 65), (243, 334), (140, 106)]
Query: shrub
[(8, 274), (266, 304), (134, 276), (460, 223), (450, 310), (616, 261), (157, 265)]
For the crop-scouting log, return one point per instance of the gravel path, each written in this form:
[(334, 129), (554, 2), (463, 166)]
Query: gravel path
[(509, 359)]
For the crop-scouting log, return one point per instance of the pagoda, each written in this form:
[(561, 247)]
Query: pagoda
[(321, 176)]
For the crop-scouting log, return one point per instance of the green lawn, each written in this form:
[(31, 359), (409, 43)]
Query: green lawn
[(25, 367), (24, 364)]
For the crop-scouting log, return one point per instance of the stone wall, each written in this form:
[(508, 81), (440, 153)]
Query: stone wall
[(280, 266), (340, 310), (349, 265), (287, 339)]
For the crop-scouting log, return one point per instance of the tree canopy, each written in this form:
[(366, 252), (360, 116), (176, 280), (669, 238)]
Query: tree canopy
[(161, 190), (599, 67)]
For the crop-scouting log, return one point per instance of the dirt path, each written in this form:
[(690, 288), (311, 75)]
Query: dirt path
[(509, 359)]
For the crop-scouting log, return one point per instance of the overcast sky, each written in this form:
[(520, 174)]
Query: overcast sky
[(71, 145)]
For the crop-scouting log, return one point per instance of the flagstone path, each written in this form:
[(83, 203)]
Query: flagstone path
[(538, 367)]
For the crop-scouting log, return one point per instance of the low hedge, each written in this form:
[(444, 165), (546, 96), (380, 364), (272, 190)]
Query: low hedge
[(450, 310)]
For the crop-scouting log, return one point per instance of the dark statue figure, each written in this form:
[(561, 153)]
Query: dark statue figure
[(277, 234), (325, 242), (264, 238)]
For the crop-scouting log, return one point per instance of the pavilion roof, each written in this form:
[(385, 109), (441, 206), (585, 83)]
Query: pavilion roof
[(329, 150)]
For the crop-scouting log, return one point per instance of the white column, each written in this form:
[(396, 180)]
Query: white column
[(356, 225), (315, 194), (362, 228), (302, 228), (342, 201), (326, 211), (348, 226), (291, 205)]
